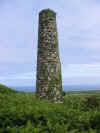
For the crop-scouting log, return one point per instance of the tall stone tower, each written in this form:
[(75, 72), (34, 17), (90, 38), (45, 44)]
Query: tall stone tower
[(49, 81)]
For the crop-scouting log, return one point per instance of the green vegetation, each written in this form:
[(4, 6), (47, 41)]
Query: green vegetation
[(21, 112)]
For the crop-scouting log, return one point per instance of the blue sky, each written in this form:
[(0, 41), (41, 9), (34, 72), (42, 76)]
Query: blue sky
[(78, 25)]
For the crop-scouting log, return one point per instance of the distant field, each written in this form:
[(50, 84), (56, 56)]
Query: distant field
[(85, 93)]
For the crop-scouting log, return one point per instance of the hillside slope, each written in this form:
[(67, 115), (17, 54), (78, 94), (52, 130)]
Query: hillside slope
[(21, 112), (5, 89)]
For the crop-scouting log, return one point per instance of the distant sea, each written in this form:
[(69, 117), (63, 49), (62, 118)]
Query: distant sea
[(65, 88)]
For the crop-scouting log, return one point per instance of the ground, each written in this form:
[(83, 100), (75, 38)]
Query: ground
[(21, 112)]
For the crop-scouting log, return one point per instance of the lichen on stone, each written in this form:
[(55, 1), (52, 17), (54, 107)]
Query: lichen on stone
[(49, 80)]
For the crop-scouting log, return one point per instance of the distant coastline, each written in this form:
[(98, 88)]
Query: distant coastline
[(65, 88)]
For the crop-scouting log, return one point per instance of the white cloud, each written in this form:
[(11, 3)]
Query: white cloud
[(81, 22), (23, 76), (81, 70), (70, 73)]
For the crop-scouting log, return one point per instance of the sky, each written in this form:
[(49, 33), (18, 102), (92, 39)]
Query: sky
[(78, 24)]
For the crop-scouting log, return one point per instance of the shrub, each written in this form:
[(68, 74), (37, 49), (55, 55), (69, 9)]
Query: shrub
[(92, 101)]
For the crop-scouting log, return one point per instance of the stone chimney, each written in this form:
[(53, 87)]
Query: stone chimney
[(49, 79)]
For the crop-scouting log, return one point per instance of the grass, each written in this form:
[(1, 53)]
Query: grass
[(21, 112)]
